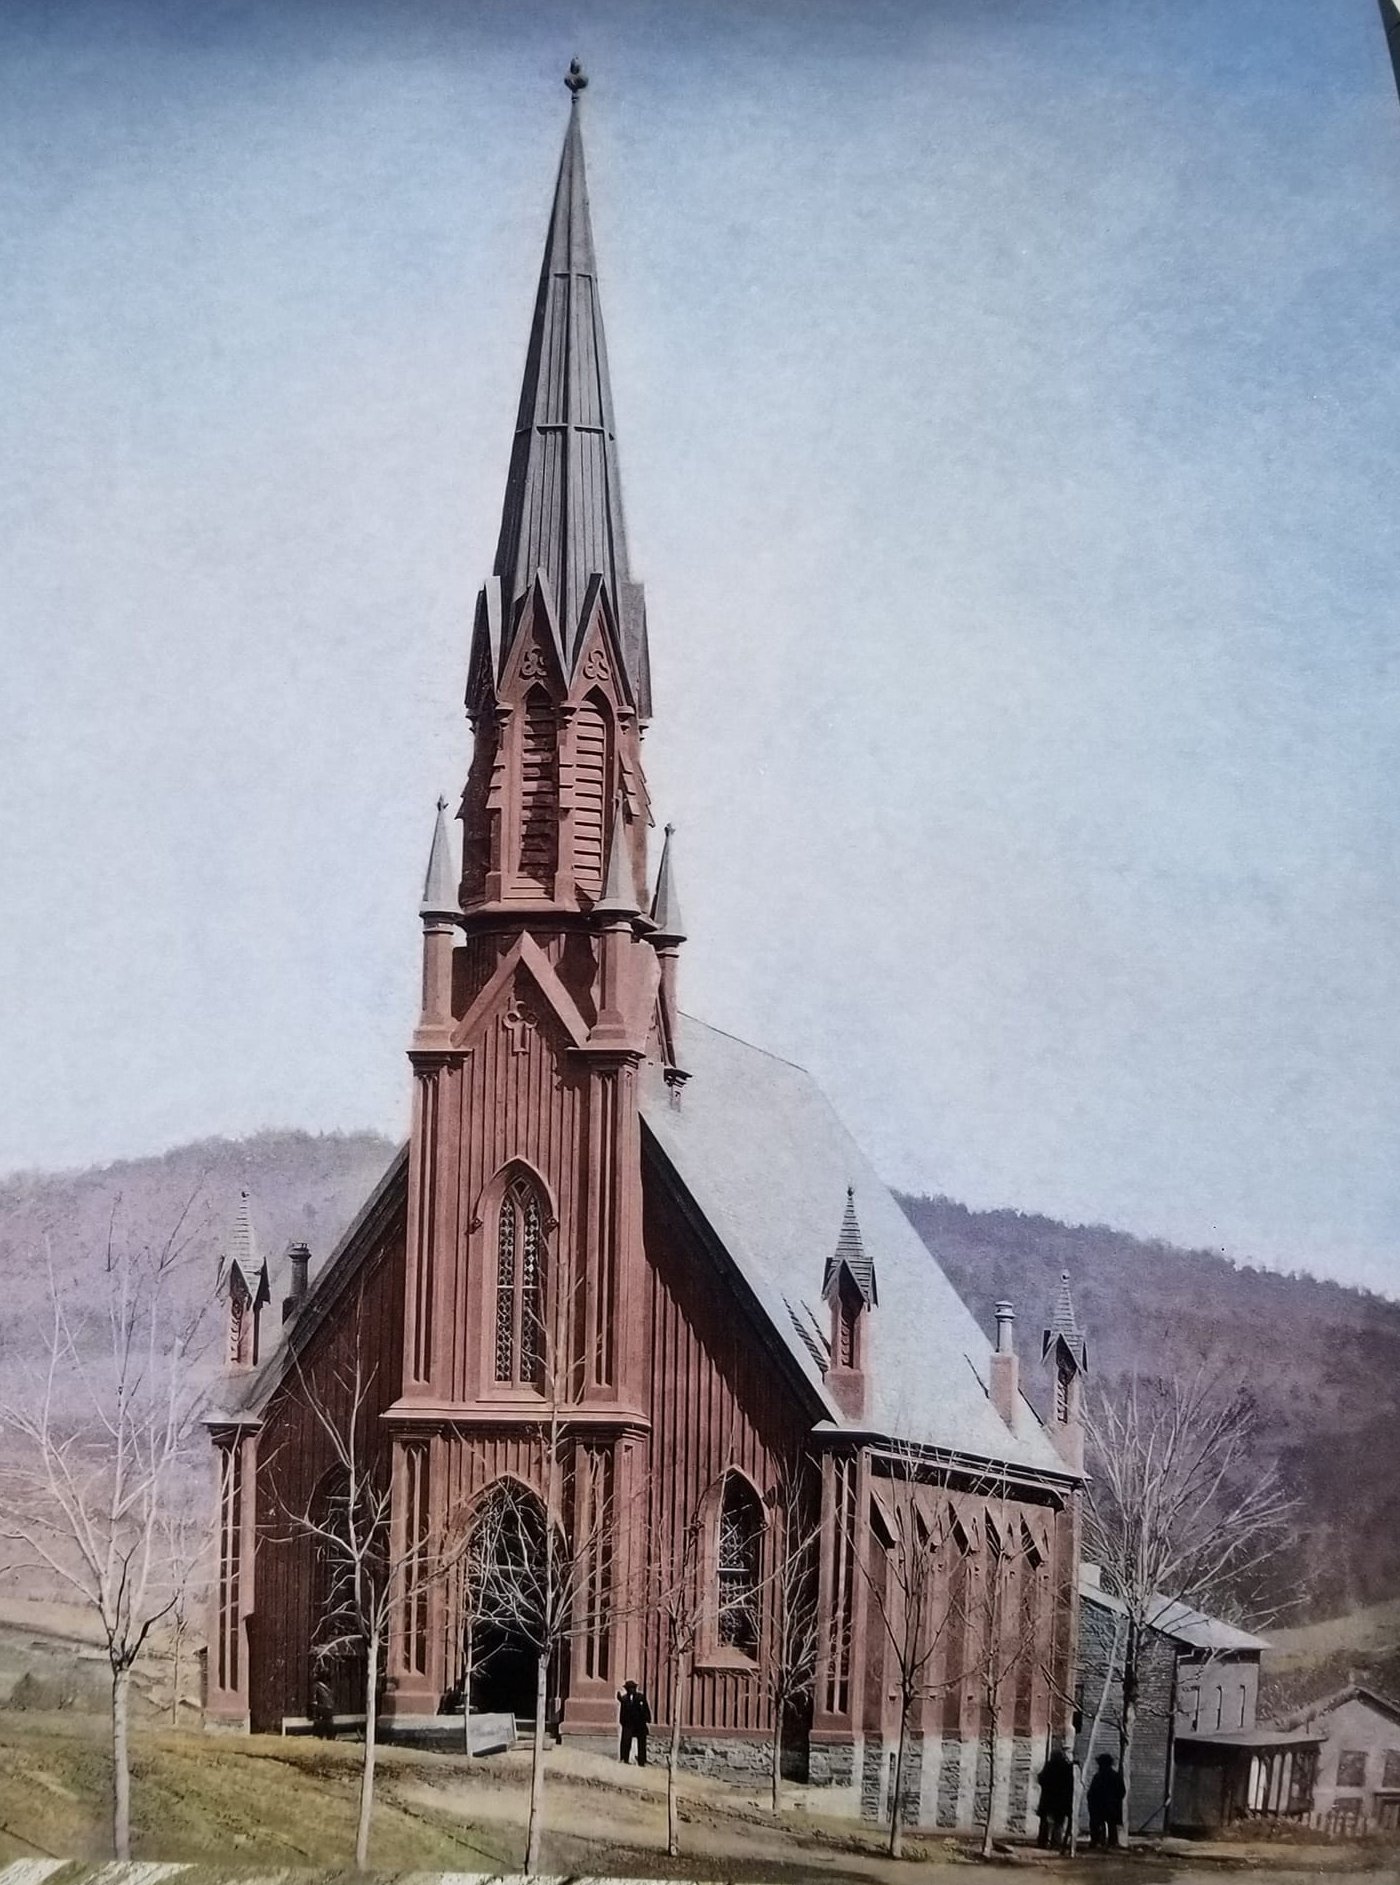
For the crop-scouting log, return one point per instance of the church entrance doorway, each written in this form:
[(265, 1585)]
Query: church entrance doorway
[(508, 1605)]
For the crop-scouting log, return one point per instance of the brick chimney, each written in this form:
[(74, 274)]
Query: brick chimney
[(298, 1268), (1006, 1367)]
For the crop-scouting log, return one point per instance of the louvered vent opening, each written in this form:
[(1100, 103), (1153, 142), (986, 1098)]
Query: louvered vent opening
[(592, 781), (539, 793)]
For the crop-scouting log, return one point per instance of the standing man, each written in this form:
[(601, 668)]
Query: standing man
[(633, 1716), (1056, 1781), (1105, 1803)]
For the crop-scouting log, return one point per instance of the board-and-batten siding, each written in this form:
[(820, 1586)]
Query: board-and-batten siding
[(717, 1402), (294, 1455), (507, 1100)]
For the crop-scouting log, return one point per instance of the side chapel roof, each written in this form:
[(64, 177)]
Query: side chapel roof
[(760, 1152)]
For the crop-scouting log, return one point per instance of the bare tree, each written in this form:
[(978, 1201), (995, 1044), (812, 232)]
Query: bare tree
[(94, 1438), (916, 1599), (676, 1595), (788, 1646), (368, 1563), (1176, 1508), (543, 1577), (185, 1532), (1007, 1643)]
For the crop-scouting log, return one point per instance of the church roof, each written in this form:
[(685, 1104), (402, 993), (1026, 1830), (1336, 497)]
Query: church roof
[(765, 1160), (563, 505), (762, 1157)]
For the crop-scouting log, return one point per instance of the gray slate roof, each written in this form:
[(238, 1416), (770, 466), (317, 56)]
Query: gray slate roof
[(767, 1162), (1181, 1622)]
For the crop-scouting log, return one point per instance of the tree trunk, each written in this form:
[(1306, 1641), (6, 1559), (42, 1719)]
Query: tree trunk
[(175, 1675), (1125, 1757), (467, 1688), (1125, 1763), (777, 1755), (986, 1848), (534, 1832), (367, 1765), (896, 1818), (673, 1756), (121, 1766)]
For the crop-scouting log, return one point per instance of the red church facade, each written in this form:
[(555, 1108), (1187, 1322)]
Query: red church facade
[(637, 1268)]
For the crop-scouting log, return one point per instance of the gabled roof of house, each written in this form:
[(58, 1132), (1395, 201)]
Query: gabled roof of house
[(766, 1161), (1170, 1617), (1353, 1692)]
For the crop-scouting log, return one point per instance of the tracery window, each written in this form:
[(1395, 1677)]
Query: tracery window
[(738, 1566), (520, 1282)]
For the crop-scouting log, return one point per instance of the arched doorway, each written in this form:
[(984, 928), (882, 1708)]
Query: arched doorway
[(506, 1603)]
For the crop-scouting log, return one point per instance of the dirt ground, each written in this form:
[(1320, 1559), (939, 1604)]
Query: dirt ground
[(244, 1805)]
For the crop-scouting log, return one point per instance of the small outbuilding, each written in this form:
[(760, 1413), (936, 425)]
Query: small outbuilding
[(1358, 1761)]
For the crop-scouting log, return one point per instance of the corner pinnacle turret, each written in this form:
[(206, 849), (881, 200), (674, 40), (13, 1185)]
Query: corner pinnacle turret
[(563, 509)]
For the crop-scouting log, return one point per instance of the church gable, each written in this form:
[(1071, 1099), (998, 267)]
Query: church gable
[(523, 988)]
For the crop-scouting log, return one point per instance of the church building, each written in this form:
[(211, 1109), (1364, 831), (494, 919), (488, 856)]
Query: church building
[(637, 1272)]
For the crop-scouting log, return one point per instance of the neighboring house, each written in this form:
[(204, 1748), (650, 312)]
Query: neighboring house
[(1200, 1758), (1358, 1768), (614, 1217)]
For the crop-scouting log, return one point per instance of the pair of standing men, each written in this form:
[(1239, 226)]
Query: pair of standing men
[(1104, 1798)]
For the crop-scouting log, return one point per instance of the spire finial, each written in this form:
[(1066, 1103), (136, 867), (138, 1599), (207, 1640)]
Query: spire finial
[(576, 79), (442, 801)]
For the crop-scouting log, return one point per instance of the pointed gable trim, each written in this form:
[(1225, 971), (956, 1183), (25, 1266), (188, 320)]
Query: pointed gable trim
[(525, 954)]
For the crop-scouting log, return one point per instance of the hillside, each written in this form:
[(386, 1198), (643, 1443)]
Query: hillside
[(1322, 1360)]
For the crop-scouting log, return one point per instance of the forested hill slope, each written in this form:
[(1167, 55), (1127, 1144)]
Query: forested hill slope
[(1323, 1362), (301, 1187)]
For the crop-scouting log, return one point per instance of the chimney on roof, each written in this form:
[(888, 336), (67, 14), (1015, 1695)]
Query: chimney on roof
[(1006, 1366), (299, 1267)]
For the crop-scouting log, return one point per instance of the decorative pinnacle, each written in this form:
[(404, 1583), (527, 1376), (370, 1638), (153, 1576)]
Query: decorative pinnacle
[(576, 79), (442, 801)]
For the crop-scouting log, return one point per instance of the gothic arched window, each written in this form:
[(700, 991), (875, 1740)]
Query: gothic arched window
[(738, 1563), (520, 1280)]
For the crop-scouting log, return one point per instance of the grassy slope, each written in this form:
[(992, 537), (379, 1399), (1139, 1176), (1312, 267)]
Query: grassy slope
[(259, 1801)]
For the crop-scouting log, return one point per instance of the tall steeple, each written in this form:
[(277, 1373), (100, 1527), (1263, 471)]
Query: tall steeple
[(558, 687), (563, 508)]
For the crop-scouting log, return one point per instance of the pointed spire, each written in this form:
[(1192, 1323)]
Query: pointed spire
[(563, 508), (665, 905), (245, 1246), (619, 897), (850, 1255), (1064, 1326), (440, 893)]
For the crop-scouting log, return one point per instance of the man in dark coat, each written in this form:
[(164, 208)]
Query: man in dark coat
[(1056, 1803), (1105, 1803), (633, 1716)]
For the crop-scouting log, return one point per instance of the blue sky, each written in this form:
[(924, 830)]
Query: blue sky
[(1009, 409)]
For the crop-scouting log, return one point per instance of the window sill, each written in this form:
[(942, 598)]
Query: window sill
[(727, 1660)]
